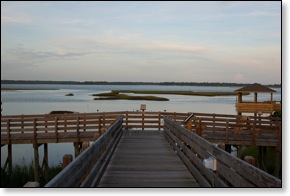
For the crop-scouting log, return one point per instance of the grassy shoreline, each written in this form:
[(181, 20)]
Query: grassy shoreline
[(119, 94), (21, 174), (16, 89)]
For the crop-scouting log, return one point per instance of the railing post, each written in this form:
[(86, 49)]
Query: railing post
[(22, 122), (214, 122), (104, 119), (199, 127), (85, 122), (227, 131), (159, 121), (34, 131), (100, 122), (8, 131), (142, 120), (56, 129), (254, 132), (127, 119), (78, 128), (65, 122)]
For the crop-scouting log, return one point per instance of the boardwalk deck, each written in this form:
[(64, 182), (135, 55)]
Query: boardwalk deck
[(145, 159)]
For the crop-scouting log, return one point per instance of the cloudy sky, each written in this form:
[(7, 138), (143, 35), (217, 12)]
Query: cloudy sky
[(142, 41)]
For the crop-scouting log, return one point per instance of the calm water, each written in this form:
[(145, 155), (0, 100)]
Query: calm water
[(44, 101)]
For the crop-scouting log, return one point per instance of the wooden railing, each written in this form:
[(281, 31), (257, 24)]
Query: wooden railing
[(252, 107), (238, 130), (217, 128), (87, 169), (227, 170), (52, 128)]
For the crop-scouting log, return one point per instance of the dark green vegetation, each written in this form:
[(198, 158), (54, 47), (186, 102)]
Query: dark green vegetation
[(23, 174), (131, 83), (177, 92), (117, 96), (277, 114), (254, 151), (61, 112)]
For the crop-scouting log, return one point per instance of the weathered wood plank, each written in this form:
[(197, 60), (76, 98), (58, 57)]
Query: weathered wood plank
[(145, 159), (254, 175)]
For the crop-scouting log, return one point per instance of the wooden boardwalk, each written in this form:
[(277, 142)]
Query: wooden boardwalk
[(145, 159)]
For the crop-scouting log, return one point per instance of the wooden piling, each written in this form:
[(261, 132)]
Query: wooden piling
[(189, 125), (77, 149), (228, 148), (45, 161), (278, 159), (240, 149), (250, 159), (96, 136), (36, 163), (9, 160), (67, 159), (85, 145)]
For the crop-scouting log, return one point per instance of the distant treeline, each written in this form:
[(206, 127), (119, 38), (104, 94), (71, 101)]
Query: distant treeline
[(131, 83)]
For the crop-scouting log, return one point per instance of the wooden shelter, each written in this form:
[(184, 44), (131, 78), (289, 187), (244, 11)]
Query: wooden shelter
[(256, 107)]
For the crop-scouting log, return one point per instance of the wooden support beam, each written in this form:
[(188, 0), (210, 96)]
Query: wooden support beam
[(189, 125), (240, 149), (36, 163), (228, 148), (77, 148), (278, 162), (45, 161), (9, 160), (67, 159), (250, 159)]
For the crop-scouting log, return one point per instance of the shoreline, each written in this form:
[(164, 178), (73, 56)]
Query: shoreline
[(17, 89)]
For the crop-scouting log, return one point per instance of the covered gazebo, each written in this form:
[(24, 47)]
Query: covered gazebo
[(256, 107)]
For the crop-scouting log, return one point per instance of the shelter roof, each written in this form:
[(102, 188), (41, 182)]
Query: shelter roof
[(257, 88)]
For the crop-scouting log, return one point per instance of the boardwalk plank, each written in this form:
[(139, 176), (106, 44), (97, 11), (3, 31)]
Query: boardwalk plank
[(145, 159)]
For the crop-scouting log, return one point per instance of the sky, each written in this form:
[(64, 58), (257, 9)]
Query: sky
[(198, 41)]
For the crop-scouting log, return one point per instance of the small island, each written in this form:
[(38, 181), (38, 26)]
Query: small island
[(192, 93), (69, 94), (118, 96)]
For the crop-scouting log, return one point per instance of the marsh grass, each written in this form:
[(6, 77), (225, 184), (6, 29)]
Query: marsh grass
[(21, 174), (254, 151), (178, 93), (117, 96)]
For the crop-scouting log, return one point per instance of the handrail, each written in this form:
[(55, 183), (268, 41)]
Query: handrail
[(229, 170), (56, 128), (94, 156)]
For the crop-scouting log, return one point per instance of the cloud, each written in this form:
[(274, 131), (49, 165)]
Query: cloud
[(263, 13), (239, 77), (28, 57), (14, 20), (180, 48)]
